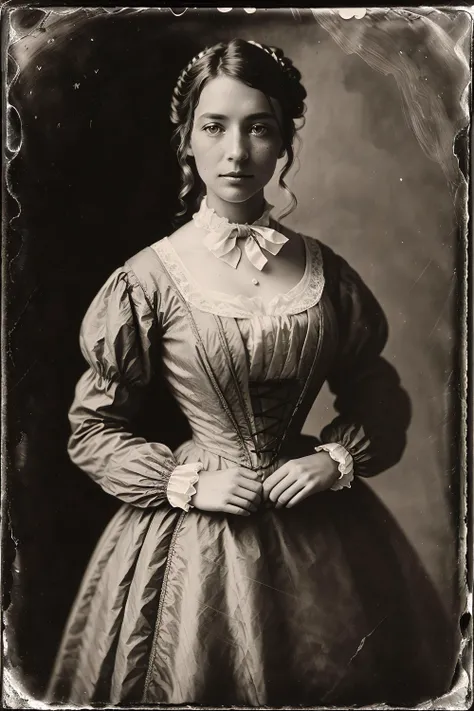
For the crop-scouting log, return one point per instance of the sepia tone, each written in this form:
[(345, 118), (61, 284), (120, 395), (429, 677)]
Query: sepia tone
[(381, 178)]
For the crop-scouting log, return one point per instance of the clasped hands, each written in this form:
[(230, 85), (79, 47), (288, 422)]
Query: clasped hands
[(238, 491)]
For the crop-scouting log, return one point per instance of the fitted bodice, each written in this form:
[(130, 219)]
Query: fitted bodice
[(239, 369)]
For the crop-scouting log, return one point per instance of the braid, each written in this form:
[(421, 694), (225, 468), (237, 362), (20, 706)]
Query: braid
[(178, 91)]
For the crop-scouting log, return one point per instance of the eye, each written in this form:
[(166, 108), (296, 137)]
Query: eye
[(213, 129), (259, 130)]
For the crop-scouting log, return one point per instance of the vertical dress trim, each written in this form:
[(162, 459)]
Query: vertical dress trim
[(161, 604), (244, 404)]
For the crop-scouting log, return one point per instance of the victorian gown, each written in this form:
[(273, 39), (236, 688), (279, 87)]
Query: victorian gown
[(320, 604)]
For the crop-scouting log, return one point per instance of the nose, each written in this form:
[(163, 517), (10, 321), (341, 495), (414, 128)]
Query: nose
[(237, 148)]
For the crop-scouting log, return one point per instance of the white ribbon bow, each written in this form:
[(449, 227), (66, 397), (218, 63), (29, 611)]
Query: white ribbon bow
[(222, 237)]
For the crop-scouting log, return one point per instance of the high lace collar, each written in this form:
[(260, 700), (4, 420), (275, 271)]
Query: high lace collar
[(222, 236), (208, 218)]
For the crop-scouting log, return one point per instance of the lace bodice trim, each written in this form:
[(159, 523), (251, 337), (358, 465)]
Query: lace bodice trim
[(302, 296)]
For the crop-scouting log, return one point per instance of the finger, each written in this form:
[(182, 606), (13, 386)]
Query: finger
[(242, 502), (236, 510), (250, 485), (299, 497), (248, 474), (289, 494), (276, 477), (248, 495), (284, 485)]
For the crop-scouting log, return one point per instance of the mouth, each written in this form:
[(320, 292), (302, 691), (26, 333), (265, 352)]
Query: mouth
[(236, 177)]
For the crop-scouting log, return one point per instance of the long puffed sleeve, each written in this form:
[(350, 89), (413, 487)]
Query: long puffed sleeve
[(374, 410), (119, 339)]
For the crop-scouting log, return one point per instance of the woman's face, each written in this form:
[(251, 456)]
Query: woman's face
[(235, 141)]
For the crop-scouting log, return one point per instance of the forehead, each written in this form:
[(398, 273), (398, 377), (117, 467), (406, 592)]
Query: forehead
[(230, 97)]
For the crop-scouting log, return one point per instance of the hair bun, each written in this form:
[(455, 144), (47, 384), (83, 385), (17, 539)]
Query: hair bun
[(292, 76)]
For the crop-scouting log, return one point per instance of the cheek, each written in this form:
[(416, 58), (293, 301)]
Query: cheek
[(199, 152), (268, 155), (193, 144), (203, 147)]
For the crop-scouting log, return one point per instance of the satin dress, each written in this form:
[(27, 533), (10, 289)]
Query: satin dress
[(320, 604)]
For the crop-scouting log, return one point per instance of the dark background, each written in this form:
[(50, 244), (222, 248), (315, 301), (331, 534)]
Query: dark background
[(92, 179)]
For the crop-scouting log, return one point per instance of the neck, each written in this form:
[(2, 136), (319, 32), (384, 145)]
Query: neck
[(241, 212)]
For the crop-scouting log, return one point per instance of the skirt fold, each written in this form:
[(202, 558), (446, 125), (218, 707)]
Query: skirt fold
[(323, 604)]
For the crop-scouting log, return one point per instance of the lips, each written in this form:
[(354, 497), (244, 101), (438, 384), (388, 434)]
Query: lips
[(236, 179), (236, 175)]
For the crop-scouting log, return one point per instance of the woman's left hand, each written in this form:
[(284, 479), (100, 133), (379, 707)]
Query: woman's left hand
[(299, 478)]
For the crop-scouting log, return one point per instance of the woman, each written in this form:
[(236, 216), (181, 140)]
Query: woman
[(250, 565)]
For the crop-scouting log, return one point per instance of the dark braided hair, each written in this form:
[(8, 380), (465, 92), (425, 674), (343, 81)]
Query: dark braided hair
[(259, 66)]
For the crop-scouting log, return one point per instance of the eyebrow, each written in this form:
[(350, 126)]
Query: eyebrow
[(251, 117)]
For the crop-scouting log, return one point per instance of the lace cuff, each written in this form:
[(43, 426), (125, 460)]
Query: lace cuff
[(346, 464), (181, 484)]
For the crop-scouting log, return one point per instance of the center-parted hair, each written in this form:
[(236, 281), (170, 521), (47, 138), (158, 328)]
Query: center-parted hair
[(259, 66)]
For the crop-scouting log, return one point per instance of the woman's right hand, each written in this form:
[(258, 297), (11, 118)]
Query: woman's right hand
[(234, 491)]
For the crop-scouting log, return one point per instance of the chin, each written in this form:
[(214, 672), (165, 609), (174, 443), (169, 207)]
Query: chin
[(237, 194)]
